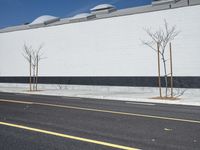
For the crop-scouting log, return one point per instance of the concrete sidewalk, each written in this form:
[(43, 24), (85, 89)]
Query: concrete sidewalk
[(136, 94)]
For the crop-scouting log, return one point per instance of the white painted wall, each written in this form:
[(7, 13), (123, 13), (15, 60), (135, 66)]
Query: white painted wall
[(105, 47)]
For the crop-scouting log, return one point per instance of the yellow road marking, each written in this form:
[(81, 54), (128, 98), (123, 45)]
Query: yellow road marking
[(69, 136), (104, 111)]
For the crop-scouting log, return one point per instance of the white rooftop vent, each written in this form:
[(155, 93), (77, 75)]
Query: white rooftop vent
[(82, 17), (44, 20), (103, 9)]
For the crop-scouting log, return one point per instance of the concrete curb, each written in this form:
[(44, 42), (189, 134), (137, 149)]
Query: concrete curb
[(104, 96)]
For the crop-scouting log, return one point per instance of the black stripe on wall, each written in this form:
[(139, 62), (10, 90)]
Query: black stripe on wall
[(185, 82)]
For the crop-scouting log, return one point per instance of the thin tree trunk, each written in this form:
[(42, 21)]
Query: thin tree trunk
[(165, 75), (159, 82), (36, 72), (33, 78), (30, 75), (171, 69)]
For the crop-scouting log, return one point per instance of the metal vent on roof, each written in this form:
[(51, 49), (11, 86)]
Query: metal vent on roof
[(103, 9), (82, 17), (44, 20)]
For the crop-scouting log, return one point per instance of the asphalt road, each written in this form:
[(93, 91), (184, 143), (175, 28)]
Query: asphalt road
[(35, 122)]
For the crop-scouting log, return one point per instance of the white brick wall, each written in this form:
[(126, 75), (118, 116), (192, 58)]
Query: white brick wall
[(105, 47)]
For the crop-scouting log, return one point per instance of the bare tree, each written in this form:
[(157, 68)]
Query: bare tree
[(27, 53), (37, 56), (162, 37), (33, 56)]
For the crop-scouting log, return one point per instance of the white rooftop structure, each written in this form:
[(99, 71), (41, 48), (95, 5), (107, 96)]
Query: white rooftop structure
[(45, 19), (102, 7), (82, 15)]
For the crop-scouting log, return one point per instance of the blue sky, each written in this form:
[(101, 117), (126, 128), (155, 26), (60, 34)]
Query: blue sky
[(16, 12)]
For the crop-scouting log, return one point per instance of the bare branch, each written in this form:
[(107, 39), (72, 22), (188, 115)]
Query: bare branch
[(161, 36), (149, 44)]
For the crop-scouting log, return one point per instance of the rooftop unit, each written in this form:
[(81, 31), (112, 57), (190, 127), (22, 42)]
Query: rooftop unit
[(103, 9), (82, 17), (43, 20)]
